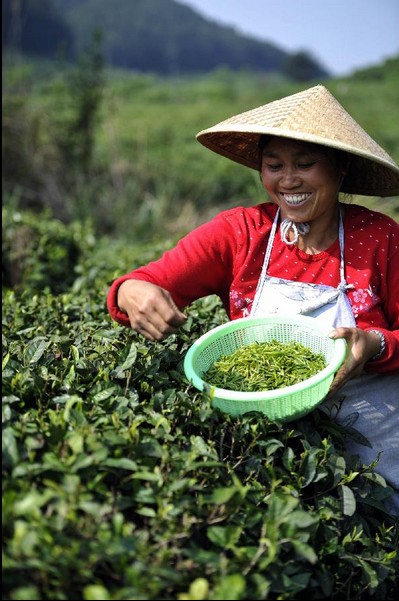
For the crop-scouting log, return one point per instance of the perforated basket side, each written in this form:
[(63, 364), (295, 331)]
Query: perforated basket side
[(283, 408), (281, 404)]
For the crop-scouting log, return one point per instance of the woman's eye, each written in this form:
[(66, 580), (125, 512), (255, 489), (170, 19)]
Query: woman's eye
[(273, 167), (306, 165)]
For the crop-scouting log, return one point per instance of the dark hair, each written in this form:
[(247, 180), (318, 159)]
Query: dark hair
[(263, 140)]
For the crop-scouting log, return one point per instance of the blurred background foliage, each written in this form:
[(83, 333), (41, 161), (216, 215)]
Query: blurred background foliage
[(91, 142)]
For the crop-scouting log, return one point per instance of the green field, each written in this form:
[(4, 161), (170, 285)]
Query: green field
[(146, 174)]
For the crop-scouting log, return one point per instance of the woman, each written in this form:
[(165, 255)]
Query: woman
[(304, 252)]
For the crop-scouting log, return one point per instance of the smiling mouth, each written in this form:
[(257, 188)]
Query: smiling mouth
[(294, 200)]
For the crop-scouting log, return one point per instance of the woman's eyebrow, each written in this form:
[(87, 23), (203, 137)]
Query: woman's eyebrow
[(298, 154)]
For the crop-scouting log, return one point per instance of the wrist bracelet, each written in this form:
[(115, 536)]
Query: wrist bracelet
[(382, 345)]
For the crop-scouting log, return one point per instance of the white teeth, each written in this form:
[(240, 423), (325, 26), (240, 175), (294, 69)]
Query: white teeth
[(295, 198)]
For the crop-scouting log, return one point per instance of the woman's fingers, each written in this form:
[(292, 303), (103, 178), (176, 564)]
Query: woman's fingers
[(151, 309), (361, 345)]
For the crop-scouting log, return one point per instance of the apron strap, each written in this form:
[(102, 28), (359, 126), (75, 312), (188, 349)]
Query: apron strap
[(343, 285)]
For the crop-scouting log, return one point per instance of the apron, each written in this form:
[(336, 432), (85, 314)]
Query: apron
[(329, 305), (369, 403)]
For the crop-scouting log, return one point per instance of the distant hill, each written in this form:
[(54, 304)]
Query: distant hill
[(160, 36)]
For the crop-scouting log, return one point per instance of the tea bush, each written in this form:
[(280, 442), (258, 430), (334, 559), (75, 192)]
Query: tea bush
[(39, 251), (120, 481)]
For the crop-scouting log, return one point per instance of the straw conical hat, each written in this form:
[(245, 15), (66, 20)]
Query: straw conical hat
[(312, 116)]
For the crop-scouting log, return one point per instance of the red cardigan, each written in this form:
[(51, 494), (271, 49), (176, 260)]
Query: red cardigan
[(225, 257)]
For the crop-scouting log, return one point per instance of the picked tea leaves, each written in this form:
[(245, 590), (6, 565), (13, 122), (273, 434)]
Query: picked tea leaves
[(265, 366)]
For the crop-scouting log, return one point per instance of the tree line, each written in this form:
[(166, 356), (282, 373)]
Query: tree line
[(159, 36)]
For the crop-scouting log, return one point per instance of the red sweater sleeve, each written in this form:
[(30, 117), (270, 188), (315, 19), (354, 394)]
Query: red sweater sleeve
[(199, 265), (372, 266), (389, 360)]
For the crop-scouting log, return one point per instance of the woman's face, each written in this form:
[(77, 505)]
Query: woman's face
[(302, 178)]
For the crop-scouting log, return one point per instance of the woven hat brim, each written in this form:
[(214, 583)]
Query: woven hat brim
[(372, 171)]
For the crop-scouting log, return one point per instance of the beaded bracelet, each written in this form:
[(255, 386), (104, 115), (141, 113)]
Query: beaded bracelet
[(382, 345)]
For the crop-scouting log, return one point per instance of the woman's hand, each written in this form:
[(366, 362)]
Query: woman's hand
[(361, 346), (151, 309)]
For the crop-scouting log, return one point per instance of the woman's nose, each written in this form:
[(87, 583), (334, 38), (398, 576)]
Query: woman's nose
[(290, 177)]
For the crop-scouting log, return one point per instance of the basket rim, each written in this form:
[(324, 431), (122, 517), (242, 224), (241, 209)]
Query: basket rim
[(339, 351)]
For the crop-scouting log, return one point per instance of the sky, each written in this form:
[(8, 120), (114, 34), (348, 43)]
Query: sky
[(342, 35)]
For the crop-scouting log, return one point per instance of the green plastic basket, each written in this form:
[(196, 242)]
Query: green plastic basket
[(282, 404)]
